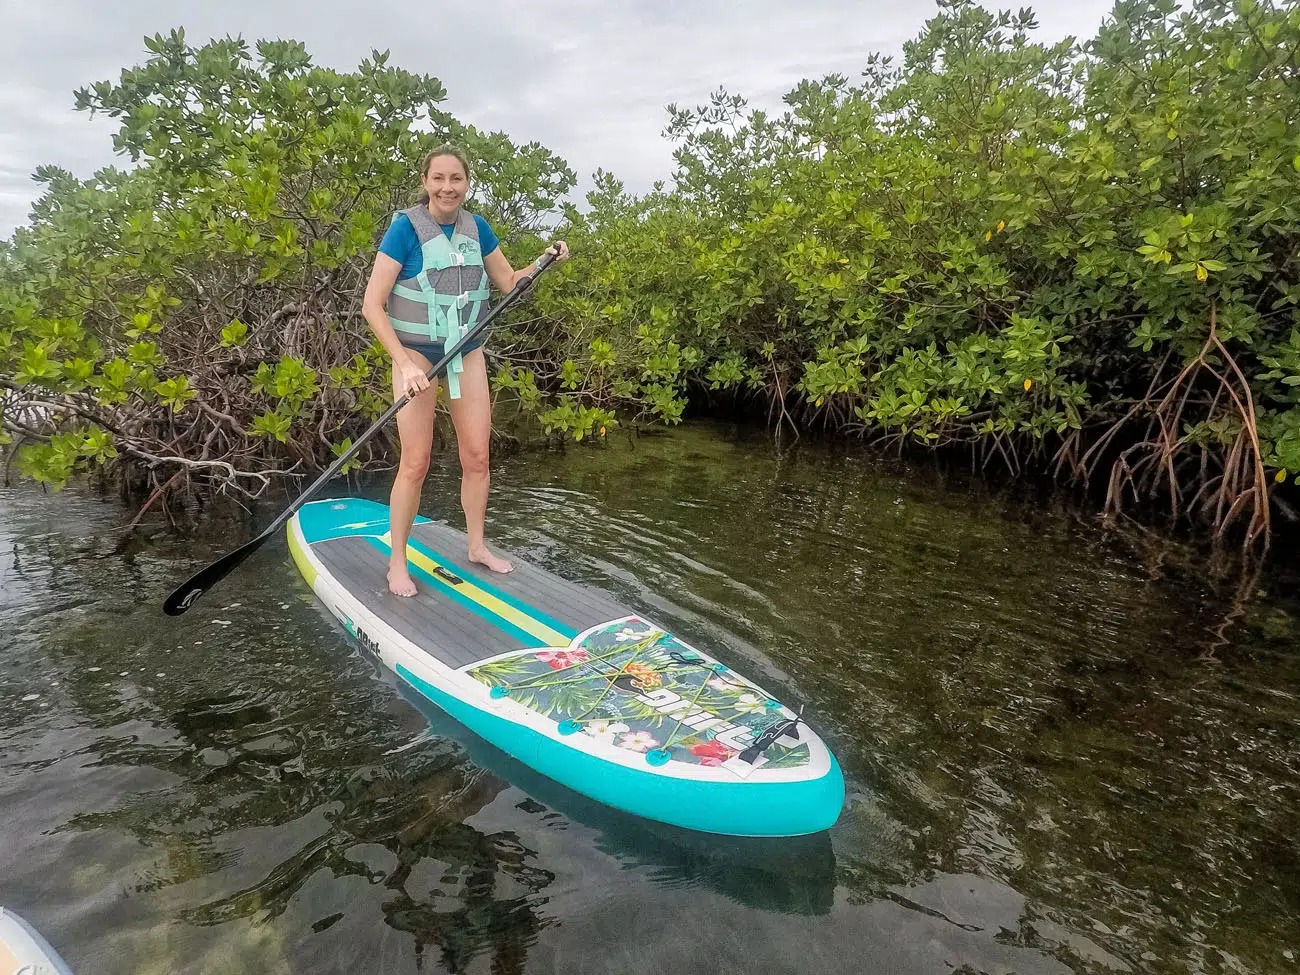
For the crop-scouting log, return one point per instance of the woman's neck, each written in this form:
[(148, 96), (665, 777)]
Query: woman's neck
[(441, 216)]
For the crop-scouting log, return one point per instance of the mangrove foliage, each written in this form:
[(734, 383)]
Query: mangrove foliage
[(1073, 256)]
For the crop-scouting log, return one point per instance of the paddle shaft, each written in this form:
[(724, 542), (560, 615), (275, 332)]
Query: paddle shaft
[(184, 595)]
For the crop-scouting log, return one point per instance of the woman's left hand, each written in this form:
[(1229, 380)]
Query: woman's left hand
[(559, 249)]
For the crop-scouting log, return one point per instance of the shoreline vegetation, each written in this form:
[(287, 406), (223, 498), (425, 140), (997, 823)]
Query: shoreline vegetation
[(1080, 259)]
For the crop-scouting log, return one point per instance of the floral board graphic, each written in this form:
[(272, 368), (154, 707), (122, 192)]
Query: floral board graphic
[(633, 686)]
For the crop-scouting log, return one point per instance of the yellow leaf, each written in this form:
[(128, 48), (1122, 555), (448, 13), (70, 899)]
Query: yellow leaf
[(1002, 225), (1280, 476), (989, 235), (1201, 273), (602, 431), (819, 402), (1028, 383)]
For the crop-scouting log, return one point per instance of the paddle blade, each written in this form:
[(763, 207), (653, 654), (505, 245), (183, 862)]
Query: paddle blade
[(185, 595)]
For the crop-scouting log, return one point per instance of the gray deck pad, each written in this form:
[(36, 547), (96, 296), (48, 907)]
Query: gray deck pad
[(436, 621)]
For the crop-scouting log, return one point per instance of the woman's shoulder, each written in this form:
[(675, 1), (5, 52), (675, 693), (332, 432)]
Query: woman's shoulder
[(487, 236), (399, 237)]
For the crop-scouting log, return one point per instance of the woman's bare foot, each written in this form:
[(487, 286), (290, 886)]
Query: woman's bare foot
[(494, 562), (399, 581)]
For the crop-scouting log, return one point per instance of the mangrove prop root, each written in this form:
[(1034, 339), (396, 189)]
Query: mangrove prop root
[(1170, 460)]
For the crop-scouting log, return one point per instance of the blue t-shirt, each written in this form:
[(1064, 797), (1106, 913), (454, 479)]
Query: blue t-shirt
[(401, 243)]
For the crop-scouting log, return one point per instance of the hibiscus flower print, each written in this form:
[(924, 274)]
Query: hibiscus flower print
[(748, 702), (642, 676), (603, 730), (638, 741), (723, 685), (559, 659), (712, 752)]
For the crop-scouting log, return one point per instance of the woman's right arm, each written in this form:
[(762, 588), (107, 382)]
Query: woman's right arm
[(382, 278)]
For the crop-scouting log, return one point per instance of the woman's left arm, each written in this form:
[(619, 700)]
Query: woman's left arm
[(505, 277)]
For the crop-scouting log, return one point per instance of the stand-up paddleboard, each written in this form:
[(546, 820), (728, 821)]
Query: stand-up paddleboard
[(569, 682), (23, 951)]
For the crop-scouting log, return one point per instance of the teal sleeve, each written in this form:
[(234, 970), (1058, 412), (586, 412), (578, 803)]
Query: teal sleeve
[(402, 245), (487, 238)]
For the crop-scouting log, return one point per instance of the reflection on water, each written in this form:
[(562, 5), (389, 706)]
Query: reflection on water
[(1046, 773), (793, 875)]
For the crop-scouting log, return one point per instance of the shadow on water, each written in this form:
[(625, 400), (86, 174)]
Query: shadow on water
[(792, 875)]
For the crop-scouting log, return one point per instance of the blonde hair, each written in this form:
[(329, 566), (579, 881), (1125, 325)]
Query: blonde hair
[(446, 149)]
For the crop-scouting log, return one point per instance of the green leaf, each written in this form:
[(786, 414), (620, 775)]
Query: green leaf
[(145, 354), (141, 323), (271, 424), (77, 373), (341, 448), (98, 445), (47, 463), (236, 333), (175, 392), (35, 366)]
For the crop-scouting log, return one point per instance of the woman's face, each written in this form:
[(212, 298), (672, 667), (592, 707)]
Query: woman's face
[(445, 183)]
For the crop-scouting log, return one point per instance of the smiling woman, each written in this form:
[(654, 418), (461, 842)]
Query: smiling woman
[(428, 287)]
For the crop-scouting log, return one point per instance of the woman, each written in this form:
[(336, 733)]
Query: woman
[(429, 285)]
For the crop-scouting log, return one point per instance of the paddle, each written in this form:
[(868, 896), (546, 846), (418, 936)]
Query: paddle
[(184, 595)]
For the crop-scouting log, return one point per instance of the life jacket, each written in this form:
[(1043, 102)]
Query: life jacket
[(445, 300)]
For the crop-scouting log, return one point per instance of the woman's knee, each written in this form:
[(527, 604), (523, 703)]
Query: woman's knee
[(474, 458), (414, 464)]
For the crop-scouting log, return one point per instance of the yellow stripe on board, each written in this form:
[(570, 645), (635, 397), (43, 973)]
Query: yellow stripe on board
[(491, 603)]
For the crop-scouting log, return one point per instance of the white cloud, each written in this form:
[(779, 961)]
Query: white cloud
[(587, 78)]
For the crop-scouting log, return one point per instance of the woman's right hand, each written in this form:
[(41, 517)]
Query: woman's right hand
[(411, 379)]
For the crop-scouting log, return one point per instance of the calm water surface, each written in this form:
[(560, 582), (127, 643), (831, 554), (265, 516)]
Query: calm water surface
[(1054, 763)]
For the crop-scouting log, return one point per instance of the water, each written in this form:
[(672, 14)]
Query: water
[(1054, 762)]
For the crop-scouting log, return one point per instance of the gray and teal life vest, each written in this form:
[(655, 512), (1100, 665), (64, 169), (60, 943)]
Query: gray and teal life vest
[(447, 297)]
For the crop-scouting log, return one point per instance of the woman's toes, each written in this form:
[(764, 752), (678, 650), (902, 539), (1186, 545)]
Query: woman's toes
[(400, 584), (494, 562)]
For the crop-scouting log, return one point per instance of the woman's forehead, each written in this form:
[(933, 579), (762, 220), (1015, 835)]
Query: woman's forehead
[(445, 165)]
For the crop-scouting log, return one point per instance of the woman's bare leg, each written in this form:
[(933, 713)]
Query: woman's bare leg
[(472, 414), (415, 430)]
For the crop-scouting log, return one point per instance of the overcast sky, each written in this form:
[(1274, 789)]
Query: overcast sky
[(589, 79)]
